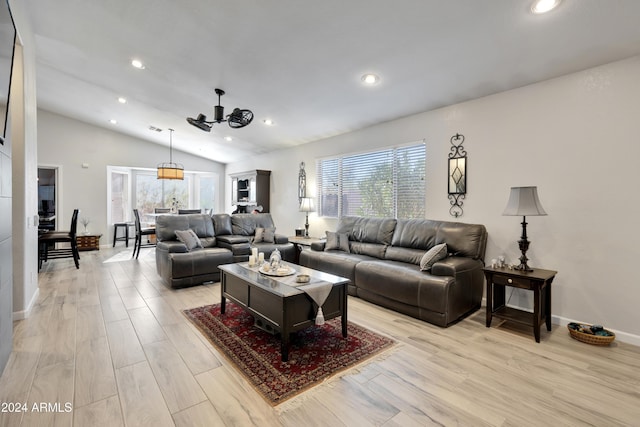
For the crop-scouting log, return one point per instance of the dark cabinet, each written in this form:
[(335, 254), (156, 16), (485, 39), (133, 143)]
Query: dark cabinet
[(250, 189)]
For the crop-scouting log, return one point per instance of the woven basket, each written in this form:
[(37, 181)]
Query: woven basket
[(592, 339)]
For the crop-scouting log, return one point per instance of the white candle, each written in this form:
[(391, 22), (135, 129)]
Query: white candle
[(252, 260), (261, 257), (254, 252)]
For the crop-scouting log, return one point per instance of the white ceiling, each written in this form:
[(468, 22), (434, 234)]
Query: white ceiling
[(299, 62)]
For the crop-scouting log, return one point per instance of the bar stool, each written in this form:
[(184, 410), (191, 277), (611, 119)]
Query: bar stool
[(124, 225)]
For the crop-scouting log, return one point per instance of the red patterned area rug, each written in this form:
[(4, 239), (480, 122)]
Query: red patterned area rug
[(315, 353)]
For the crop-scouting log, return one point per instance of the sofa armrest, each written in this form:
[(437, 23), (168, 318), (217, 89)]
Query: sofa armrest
[(281, 239), (454, 265), (171, 246), (318, 246)]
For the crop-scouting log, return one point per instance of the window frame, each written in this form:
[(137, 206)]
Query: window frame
[(194, 190), (337, 172)]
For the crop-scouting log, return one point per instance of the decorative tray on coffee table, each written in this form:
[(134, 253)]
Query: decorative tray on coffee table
[(280, 272)]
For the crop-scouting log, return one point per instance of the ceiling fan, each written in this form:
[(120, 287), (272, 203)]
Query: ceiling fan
[(237, 119)]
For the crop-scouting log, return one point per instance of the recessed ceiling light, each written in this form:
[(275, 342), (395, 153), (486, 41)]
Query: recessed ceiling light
[(370, 79), (122, 100), (228, 138), (268, 122), (544, 6), (138, 64), (113, 121)]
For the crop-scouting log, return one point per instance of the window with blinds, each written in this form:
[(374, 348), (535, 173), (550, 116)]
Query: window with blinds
[(386, 183)]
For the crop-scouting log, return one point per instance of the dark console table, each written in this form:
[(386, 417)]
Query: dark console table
[(538, 281)]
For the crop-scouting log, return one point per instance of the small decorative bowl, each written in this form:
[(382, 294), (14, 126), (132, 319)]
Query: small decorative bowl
[(303, 278)]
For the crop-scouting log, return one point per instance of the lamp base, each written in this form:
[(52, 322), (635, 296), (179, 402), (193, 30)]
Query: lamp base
[(523, 244), (523, 267)]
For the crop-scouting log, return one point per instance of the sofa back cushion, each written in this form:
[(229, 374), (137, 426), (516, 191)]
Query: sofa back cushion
[(408, 255), (462, 239), (468, 240), (246, 224), (222, 224), (201, 224), (367, 230)]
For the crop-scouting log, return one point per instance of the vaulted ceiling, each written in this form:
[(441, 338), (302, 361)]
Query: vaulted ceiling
[(300, 63)]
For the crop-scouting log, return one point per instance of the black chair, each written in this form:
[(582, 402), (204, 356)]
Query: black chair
[(125, 225), (162, 210), (147, 231), (48, 241), (189, 211)]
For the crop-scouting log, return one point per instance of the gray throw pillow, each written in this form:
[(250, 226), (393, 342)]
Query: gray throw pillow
[(433, 255), (259, 235), (267, 235), (339, 241), (189, 238)]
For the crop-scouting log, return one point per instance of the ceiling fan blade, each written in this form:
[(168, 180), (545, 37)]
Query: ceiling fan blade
[(240, 118), (201, 122)]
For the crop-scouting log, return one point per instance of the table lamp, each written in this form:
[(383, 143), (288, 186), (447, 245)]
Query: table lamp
[(306, 205), (524, 201)]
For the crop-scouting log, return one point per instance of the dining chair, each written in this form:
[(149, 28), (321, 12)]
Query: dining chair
[(48, 247), (189, 211), (140, 231), (162, 210)]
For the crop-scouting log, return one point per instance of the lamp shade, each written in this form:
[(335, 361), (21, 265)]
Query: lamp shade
[(306, 205), (523, 201), (170, 171)]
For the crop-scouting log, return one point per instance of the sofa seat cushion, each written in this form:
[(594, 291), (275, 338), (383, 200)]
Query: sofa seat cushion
[(404, 283), (198, 262), (232, 239), (334, 262)]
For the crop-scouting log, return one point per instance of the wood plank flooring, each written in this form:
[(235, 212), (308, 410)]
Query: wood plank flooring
[(110, 343)]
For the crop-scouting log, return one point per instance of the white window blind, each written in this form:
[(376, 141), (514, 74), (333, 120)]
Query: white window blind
[(385, 183)]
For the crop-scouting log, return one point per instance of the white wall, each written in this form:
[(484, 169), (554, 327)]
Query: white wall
[(23, 134), (574, 137), (68, 143)]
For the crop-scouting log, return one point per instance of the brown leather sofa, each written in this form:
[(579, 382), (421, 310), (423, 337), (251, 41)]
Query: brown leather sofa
[(225, 239), (383, 264)]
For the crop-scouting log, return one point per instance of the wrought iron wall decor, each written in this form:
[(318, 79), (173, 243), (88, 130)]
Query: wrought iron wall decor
[(302, 183), (457, 175)]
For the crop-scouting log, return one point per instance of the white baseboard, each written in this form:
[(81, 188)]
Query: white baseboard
[(563, 321), (20, 315), (620, 335)]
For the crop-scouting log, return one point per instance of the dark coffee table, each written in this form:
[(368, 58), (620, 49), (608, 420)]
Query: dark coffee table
[(275, 302)]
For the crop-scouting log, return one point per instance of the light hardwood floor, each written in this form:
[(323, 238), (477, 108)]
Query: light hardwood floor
[(109, 341)]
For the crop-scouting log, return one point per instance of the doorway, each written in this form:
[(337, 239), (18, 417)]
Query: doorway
[(47, 197)]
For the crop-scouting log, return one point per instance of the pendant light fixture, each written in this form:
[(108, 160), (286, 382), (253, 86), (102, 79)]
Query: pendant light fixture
[(170, 170)]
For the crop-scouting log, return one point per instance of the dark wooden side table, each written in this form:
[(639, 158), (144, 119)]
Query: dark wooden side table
[(538, 281), (88, 242), (303, 243)]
